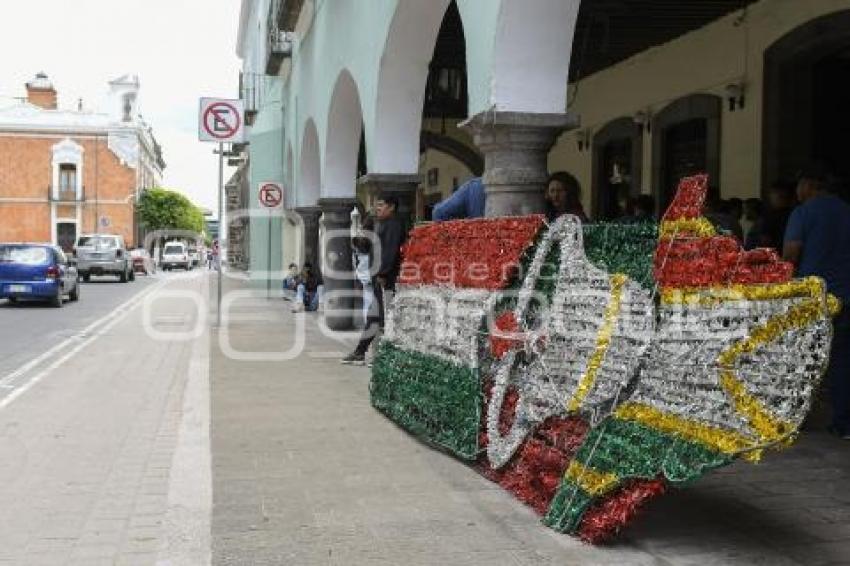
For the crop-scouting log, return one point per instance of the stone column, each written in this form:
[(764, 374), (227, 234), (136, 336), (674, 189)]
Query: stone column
[(337, 271), (516, 147), (399, 185), (310, 217)]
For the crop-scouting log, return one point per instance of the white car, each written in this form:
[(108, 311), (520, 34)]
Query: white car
[(195, 257), (175, 255)]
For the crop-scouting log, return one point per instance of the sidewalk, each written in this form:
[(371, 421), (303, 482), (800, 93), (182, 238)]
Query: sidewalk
[(305, 472)]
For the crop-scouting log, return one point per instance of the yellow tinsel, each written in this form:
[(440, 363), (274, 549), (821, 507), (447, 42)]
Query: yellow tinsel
[(811, 287), (766, 425), (589, 480), (698, 227), (725, 441), (603, 341)]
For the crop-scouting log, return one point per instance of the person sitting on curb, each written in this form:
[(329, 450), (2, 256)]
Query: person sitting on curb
[(290, 282), (308, 294)]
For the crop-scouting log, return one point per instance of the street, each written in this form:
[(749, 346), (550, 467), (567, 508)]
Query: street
[(89, 415)]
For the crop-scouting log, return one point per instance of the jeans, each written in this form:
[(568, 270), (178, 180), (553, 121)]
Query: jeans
[(310, 299), (839, 373), (374, 320)]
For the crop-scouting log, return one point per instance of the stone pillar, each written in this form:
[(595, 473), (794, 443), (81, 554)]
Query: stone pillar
[(337, 271), (516, 147), (310, 217), (400, 185)]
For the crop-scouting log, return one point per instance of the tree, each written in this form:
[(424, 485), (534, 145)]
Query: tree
[(162, 209)]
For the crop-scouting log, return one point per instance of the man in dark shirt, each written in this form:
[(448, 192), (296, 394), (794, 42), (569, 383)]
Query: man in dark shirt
[(817, 242), (391, 235)]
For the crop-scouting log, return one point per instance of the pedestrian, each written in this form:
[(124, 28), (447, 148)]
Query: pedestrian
[(817, 242), (642, 210), (209, 259), (290, 282), (361, 258), (563, 196), (468, 201), (391, 235), (781, 201), (308, 291)]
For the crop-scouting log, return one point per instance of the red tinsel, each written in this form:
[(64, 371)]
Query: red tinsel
[(689, 199), (716, 261), (504, 338), (482, 254), (536, 471), (605, 519)]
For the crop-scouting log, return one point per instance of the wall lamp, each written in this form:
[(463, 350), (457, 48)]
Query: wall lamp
[(583, 140), (736, 95)]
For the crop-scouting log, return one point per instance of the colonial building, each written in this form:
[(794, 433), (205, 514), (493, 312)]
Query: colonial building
[(65, 172), (417, 96)]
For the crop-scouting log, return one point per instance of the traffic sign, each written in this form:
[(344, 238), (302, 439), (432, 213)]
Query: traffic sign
[(270, 195), (220, 120)]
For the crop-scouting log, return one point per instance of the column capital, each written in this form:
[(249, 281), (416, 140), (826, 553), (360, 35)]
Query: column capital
[(516, 147), (390, 181)]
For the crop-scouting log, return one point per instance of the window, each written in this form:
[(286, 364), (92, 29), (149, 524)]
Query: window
[(67, 181), (26, 255)]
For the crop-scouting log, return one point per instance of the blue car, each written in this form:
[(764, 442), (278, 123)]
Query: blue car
[(37, 271)]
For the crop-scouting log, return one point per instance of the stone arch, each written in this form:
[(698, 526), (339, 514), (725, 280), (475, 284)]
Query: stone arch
[(342, 143), (402, 77), (454, 148), (309, 173), (531, 55)]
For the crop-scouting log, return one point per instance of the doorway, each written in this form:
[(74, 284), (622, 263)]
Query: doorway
[(66, 235), (807, 86)]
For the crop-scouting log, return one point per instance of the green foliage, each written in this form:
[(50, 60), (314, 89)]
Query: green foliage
[(162, 209)]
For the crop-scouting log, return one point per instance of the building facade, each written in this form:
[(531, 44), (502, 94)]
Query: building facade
[(416, 97), (67, 172)]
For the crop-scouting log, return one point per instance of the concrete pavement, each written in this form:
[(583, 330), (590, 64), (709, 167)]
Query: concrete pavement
[(305, 472), (121, 448), (89, 437)]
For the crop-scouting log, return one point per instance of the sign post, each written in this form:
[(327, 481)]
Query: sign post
[(220, 120), (270, 196)]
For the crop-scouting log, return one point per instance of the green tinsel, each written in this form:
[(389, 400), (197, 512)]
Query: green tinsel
[(623, 248), (630, 451), (434, 399)]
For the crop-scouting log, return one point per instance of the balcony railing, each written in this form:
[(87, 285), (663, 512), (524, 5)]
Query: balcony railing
[(279, 45), (66, 195)]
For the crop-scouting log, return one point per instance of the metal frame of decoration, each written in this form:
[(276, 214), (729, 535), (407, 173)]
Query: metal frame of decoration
[(587, 369)]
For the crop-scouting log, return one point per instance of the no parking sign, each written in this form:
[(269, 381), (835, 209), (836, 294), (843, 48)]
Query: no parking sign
[(220, 120), (270, 196)]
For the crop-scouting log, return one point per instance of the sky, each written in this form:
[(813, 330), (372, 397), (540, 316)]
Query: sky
[(180, 49)]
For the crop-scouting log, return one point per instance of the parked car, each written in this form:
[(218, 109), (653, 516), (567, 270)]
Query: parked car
[(103, 254), (175, 255), (195, 257), (37, 271), (142, 261)]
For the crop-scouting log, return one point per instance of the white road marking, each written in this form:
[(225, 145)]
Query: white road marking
[(82, 339)]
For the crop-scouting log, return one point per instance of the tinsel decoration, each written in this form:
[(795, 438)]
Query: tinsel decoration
[(589, 369)]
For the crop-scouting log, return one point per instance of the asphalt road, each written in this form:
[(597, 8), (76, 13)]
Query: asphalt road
[(29, 329)]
